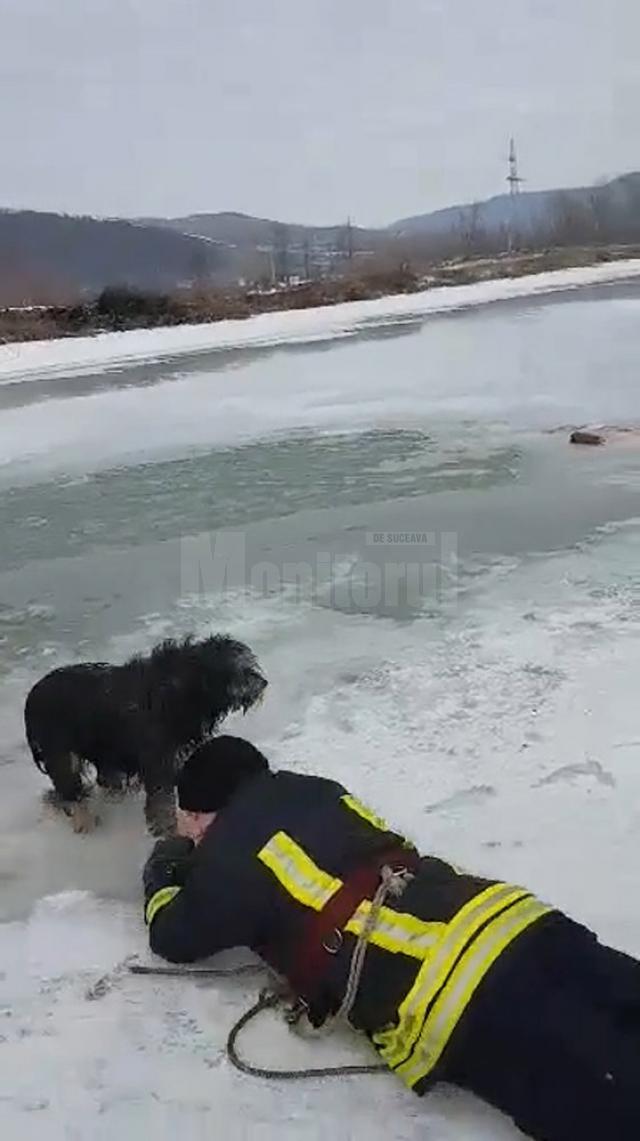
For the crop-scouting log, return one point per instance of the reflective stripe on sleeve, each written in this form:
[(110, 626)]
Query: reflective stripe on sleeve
[(159, 900), (365, 813), (297, 872)]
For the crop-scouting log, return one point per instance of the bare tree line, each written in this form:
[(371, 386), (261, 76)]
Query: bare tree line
[(49, 259)]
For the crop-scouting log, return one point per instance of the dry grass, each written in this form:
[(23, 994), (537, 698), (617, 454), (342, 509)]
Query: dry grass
[(124, 310)]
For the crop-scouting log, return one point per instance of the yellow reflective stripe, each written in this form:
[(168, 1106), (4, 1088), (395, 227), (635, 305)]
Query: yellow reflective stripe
[(397, 932), (309, 885), (465, 979), (296, 871), (159, 900), (365, 813), (396, 1043)]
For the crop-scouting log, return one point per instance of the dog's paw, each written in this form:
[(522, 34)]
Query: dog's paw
[(162, 829), (114, 794), (83, 820), (160, 814)]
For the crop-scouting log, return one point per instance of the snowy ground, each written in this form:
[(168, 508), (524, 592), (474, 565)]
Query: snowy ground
[(80, 354)]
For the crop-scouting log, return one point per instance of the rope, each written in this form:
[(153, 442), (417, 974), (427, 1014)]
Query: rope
[(129, 966), (268, 1000), (196, 973), (391, 883)]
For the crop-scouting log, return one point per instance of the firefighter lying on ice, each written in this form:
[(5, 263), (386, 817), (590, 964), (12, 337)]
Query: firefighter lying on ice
[(464, 980)]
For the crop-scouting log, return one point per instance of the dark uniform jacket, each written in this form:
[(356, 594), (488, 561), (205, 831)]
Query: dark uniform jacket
[(282, 848)]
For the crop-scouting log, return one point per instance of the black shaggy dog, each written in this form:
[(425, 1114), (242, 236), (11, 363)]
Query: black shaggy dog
[(136, 720)]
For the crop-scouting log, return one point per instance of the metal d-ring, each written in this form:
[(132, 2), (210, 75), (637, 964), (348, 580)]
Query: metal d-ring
[(337, 940)]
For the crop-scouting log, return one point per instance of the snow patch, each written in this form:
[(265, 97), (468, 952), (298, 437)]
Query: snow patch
[(83, 354)]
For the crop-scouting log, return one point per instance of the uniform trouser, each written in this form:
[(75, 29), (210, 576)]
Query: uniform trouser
[(553, 1037)]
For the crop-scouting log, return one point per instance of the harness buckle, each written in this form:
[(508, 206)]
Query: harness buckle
[(296, 1011), (334, 942)]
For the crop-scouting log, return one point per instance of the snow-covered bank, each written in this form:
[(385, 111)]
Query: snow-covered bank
[(83, 354)]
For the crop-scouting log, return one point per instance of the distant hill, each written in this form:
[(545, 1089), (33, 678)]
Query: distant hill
[(608, 212), (530, 211), (262, 247), (53, 257), (243, 230)]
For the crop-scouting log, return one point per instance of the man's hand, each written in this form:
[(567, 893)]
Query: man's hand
[(168, 865)]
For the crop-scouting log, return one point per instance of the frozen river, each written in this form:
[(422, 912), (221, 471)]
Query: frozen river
[(445, 598)]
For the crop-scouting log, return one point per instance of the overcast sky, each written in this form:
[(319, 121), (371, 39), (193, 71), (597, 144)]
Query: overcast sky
[(309, 110)]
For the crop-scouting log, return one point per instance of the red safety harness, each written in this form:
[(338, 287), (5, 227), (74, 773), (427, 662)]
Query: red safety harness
[(322, 934)]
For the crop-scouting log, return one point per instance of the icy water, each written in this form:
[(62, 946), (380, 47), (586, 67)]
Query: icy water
[(443, 594)]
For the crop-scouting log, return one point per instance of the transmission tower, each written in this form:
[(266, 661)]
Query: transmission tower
[(515, 182), (513, 177), (345, 241), (349, 239)]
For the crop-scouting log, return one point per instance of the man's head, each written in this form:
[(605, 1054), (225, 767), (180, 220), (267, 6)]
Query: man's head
[(211, 777)]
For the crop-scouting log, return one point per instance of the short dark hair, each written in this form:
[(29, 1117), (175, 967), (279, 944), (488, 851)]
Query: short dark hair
[(216, 770)]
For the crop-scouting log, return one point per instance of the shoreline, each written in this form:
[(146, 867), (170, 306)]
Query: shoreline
[(20, 360)]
